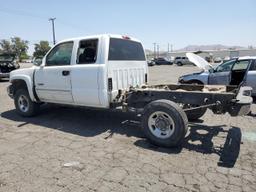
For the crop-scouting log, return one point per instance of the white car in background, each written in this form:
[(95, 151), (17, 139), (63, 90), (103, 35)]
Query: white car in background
[(232, 72)]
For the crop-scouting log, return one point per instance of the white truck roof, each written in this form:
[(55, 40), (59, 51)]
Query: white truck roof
[(99, 36)]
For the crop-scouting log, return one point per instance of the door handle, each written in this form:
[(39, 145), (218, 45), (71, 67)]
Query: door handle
[(65, 73)]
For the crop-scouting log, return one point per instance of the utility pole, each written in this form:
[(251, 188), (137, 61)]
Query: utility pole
[(157, 50), (168, 48), (154, 50), (53, 29)]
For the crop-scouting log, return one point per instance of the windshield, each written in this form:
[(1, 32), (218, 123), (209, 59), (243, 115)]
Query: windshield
[(6, 57)]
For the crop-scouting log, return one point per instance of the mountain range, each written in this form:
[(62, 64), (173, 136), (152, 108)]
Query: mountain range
[(208, 47)]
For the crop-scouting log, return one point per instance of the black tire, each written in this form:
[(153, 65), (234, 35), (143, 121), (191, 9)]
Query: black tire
[(195, 114), (32, 107), (179, 119), (179, 64)]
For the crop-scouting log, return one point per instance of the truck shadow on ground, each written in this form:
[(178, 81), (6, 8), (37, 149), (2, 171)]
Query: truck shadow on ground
[(200, 139), (89, 123), (80, 121)]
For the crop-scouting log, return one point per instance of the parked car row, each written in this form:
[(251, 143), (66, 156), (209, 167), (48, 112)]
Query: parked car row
[(179, 61), (159, 61)]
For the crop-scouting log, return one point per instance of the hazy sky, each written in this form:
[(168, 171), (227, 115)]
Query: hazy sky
[(178, 22)]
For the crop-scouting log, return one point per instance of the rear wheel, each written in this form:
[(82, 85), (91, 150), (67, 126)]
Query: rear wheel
[(164, 123), (24, 105)]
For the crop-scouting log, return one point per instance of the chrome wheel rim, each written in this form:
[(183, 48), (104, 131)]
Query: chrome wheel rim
[(161, 125), (23, 103)]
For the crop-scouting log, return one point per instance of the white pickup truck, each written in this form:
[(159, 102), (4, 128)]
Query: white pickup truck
[(110, 71)]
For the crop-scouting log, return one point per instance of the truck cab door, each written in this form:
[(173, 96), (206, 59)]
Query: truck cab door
[(222, 74), (53, 77), (86, 74)]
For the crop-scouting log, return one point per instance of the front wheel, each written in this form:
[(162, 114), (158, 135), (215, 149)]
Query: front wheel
[(179, 64), (24, 105), (164, 123)]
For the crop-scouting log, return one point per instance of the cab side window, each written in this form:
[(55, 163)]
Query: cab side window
[(225, 66), (87, 51), (60, 55)]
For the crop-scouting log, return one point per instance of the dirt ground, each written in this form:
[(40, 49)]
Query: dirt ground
[(73, 149)]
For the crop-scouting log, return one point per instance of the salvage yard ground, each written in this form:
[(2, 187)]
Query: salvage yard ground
[(74, 149)]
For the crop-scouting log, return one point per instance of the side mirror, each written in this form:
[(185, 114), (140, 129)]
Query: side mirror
[(37, 61)]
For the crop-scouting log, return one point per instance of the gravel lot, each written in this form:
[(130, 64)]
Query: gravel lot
[(70, 149)]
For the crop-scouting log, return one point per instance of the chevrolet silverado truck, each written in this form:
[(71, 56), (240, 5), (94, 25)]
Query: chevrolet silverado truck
[(109, 72)]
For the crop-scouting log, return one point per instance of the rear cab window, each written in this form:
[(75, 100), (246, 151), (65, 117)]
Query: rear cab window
[(124, 49), (87, 51)]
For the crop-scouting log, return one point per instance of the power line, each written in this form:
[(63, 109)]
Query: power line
[(21, 13), (158, 50), (154, 50), (29, 14)]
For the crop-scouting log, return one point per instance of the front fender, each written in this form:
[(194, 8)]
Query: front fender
[(28, 80), (202, 77)]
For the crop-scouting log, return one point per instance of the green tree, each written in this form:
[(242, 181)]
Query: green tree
[(20, 47), (6, 46), (41, 48)]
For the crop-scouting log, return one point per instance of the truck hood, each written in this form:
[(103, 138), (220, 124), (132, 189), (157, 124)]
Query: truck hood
[(199, 61)]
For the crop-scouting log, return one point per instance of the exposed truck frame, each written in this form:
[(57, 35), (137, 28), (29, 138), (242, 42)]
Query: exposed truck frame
[(220, 99)]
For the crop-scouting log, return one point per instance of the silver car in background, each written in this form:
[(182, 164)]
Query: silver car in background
[(233, 72), (182, 61)]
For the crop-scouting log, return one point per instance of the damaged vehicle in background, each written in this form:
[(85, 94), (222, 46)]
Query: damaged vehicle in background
[(7, 64), (234, 72)]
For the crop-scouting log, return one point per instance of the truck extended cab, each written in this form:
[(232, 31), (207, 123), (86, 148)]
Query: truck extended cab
[(109, 71)]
